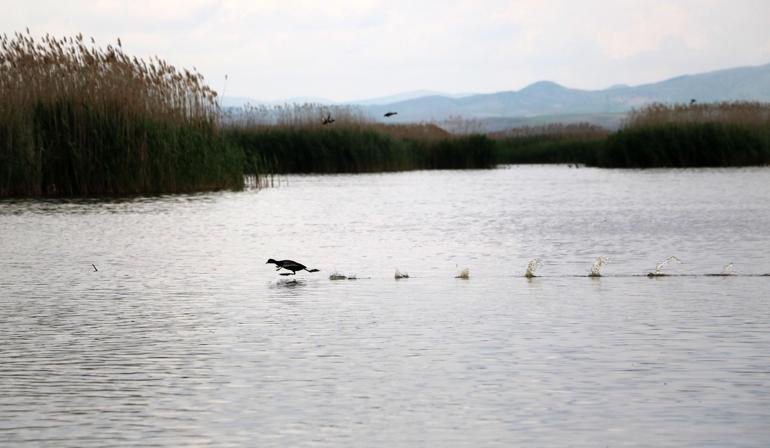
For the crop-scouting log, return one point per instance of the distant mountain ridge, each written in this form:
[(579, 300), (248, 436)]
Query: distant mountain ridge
[(547, 101), (549, 98)]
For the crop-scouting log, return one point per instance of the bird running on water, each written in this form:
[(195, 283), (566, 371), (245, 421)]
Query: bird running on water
[(290, 265)]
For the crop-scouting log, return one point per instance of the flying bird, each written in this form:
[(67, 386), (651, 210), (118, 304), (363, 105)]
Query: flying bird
[(289, 265), (390, 114), (692, 101), (328, 120)]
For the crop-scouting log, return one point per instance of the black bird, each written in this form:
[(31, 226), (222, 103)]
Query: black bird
[(328, 120), (290, 265), (692, 101), (390, 114)]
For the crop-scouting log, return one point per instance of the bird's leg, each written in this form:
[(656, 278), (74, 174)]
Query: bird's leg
[(277, 268)]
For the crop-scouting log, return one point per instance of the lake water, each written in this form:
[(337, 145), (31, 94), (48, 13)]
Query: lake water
[(185, 337)]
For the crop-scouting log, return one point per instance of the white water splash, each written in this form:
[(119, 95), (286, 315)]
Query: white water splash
[(532, 267), (596, 267), (661, 264), (729, 269)]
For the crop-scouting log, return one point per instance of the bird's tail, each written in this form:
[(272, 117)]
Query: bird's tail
[(312, 270)]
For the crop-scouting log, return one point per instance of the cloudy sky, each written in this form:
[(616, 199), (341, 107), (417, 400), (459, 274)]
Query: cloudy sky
[(356, 49)]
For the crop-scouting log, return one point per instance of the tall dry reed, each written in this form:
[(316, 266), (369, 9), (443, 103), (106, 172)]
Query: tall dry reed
[(294, 115), (743, 113), (294, 139), (552, 143), (79, 119), (694, 135), (555, 131)]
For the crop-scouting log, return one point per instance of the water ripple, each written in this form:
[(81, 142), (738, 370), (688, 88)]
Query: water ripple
[(185, 337)]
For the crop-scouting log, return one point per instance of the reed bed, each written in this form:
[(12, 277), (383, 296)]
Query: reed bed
[(77, 119), (296, 116), (553, 143), (658, 135), (744, 113), (293, 139), (698, 135), (555, 131)]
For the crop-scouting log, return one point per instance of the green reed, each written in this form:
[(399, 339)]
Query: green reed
[(76, 119), (658, 135), (293, 139), (276, 150), (554, 143), (686, 145), (698, 135)]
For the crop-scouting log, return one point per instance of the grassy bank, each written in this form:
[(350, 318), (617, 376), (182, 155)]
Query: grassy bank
[(76, 119)]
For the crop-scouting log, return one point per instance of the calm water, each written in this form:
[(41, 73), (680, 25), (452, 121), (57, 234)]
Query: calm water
[(184, 337)]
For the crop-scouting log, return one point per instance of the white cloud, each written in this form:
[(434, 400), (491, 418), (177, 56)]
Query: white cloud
[(348, 49)]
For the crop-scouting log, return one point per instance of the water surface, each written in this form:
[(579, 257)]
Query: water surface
[(185, 337)]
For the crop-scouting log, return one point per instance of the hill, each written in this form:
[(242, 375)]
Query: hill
[(547, 98)]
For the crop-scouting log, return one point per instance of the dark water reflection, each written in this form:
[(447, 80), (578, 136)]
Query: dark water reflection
[(185, 337)]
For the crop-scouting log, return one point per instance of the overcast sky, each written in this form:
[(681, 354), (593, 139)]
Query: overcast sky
[(356, 49)]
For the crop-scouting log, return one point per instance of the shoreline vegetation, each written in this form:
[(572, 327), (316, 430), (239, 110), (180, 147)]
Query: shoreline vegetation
[(655, 136), (293, 139), (76, 119), (79, 120), (696, 135)]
